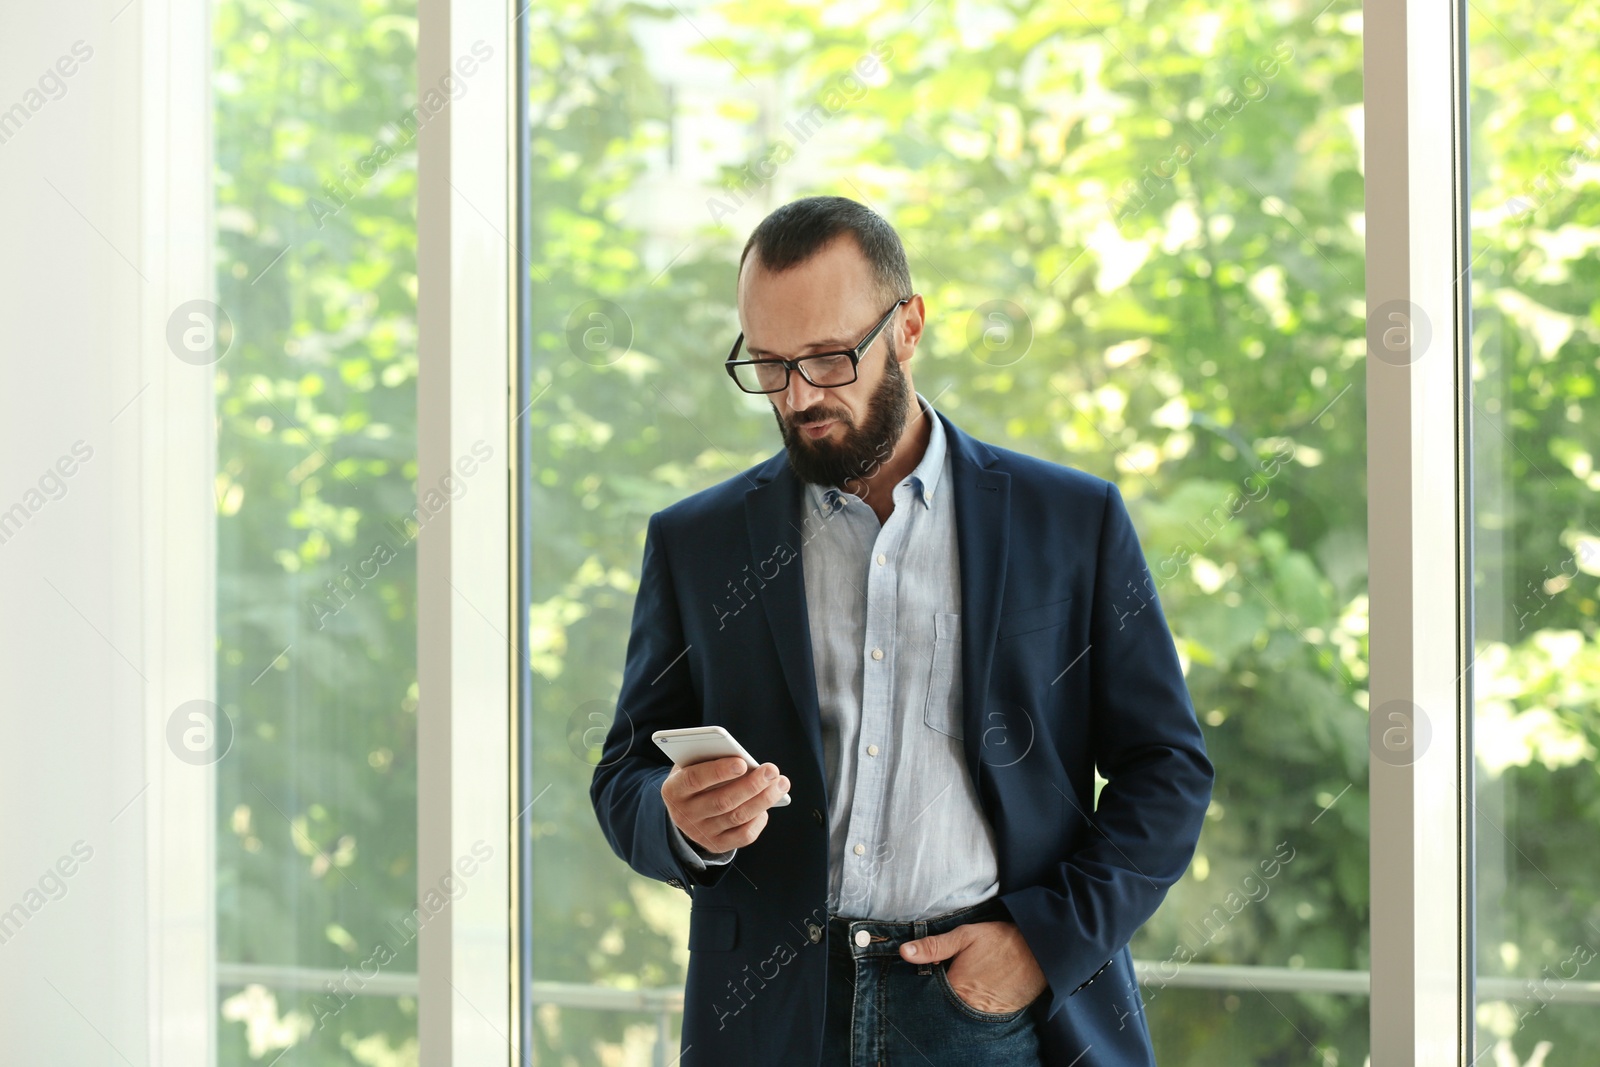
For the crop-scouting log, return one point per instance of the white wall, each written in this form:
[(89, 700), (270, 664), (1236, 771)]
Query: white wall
[(106, 574)]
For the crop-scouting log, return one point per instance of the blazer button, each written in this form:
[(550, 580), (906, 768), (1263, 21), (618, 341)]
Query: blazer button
[(816, 813), (814, 932)]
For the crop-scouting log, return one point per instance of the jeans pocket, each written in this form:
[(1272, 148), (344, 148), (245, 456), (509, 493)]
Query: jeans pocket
[(962, 1006), (942, 711)]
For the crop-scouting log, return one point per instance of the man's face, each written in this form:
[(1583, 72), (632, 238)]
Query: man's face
[(841, 435)]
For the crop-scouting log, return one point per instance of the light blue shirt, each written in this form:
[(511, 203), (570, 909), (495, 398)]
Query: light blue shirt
[(907, 838)]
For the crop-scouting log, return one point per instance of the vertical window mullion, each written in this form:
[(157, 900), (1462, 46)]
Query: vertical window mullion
[(1419, 600)]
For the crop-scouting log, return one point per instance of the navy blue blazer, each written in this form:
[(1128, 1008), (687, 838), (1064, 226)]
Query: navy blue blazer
[(1067, 666)]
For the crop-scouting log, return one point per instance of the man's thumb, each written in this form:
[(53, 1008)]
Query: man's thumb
[(931, 949)]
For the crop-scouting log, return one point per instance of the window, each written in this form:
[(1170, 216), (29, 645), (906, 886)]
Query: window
[(1535, 195), (1139, 241), (317, 513), (1141, 244)]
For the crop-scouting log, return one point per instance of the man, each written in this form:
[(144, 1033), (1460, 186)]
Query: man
[(936, 643)]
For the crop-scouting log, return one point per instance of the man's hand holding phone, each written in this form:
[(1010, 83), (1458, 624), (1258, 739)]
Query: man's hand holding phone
[(721, 804)]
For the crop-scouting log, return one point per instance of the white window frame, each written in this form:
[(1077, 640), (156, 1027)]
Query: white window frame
[(177, 520), (1419, 532), (465, 278)]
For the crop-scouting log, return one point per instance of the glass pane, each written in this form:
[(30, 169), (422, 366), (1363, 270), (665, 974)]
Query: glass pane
[(1139, 242), (316, 414), (1534, 74)]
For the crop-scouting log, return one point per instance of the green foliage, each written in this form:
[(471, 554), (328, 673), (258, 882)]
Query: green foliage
[(1536, 350), (316, 842)]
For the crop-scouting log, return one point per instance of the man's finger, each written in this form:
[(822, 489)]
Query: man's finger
[(935, 947), (742, 835), (748, 797), (702, 776)]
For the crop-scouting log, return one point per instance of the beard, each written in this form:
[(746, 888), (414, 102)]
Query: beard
[(860, 451)]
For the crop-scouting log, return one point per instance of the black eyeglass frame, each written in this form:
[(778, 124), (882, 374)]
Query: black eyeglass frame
[(856, 354)]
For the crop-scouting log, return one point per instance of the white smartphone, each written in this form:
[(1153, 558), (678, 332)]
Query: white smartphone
[(696, 744)]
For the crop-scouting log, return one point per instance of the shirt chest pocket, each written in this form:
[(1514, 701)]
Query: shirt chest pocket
[(942, 711)]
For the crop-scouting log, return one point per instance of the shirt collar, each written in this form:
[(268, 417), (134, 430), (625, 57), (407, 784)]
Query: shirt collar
[(924, 478)]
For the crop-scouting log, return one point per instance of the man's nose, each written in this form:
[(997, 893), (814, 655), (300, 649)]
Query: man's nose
[(801, 393)]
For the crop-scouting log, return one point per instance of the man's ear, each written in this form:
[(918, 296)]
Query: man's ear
[(915, 322)]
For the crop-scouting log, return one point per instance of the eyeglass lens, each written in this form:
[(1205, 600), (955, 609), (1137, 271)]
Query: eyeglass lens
[(770, 375)]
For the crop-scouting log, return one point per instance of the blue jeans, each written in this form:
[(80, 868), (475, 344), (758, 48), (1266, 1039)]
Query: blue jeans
[(885, 1010)]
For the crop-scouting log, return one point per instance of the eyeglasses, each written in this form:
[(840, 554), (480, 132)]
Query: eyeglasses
[(825, 370)]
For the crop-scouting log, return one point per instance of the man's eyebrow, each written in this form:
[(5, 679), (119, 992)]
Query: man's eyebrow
[(827, 342)]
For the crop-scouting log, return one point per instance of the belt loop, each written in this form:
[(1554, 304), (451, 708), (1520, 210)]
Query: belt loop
[(920, 928)]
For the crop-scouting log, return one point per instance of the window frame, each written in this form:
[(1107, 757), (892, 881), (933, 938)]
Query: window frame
[(466, 300), (1418, 479)]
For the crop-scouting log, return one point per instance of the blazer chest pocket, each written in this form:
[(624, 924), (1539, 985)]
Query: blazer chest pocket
[(942, 711)]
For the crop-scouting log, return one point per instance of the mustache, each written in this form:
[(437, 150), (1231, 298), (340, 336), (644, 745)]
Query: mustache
[(805, 418)]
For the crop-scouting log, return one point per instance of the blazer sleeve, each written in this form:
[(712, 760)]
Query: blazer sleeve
[(1148, 746), (657, 694)]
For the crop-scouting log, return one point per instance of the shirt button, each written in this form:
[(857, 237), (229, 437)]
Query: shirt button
[(872, 750), (882, 559), (862, 938), (877, 653), (814, 932), (859, 849)]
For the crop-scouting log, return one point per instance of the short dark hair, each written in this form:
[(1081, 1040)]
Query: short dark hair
[(800, 229)]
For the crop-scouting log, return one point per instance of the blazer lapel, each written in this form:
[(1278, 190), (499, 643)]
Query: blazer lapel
[(983, 541), (772, 515)]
